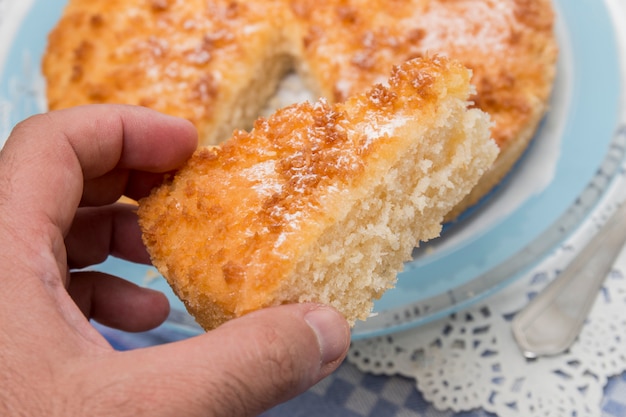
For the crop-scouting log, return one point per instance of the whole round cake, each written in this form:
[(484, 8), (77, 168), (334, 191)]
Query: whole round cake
[(217, 62)]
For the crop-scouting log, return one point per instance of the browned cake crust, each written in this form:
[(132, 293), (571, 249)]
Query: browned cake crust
[(217, 62), (320, 202)]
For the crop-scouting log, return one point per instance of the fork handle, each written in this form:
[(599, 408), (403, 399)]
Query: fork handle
[(552, 321)]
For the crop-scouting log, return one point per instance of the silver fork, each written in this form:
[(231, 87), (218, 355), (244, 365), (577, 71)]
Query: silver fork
[(552, 321)]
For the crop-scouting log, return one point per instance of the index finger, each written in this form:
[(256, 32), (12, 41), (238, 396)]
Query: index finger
[(48, 157)]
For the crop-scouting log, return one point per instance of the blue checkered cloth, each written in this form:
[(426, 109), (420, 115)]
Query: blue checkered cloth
[(351, 393)]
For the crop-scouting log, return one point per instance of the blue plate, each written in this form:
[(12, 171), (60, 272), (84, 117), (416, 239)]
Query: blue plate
[(573, 159)]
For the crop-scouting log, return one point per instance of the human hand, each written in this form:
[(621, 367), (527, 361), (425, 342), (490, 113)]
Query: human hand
[(60, 176)]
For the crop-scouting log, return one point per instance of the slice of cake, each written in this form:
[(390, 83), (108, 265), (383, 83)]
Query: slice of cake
[(320, 202)]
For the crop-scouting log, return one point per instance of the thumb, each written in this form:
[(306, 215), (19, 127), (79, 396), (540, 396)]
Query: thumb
[(242, 368)]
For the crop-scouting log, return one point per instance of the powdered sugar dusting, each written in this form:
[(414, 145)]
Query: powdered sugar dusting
[(374, 131), (262, 174), (483, 26)]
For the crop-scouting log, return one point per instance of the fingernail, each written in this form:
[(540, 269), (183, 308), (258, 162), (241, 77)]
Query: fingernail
[(333, 334)]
